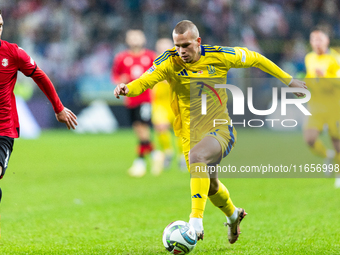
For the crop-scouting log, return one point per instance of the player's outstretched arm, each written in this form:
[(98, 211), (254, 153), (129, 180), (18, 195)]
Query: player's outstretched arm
[(298, 84), (245, 58), (148, 80), (121, 90), (68, 117)]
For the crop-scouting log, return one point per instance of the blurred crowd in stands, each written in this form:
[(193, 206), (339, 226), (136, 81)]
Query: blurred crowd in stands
[(70, 39)]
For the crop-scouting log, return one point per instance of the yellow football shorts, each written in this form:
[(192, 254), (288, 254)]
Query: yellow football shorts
[(225, 135), (162, 113), (317, 121)]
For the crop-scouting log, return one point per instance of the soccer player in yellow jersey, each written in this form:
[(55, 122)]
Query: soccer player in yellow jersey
[(203, 144), (323, 63)]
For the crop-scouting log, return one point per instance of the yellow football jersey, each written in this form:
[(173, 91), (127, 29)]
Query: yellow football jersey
[(327, 63), (325, 92), (161, 110), (161, 93), (189, 80)]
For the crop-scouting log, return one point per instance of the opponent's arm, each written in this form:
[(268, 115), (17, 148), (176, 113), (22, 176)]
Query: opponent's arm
[(29, 68), (63, 114)]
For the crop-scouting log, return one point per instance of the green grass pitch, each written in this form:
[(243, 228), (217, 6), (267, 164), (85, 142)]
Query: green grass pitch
[(70, 194)]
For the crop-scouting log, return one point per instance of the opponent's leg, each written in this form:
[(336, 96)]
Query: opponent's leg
[(0, 188), (6, 148), (142, 130)]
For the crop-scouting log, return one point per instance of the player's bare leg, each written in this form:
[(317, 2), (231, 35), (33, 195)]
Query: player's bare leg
[(336, 144), (207, 151), (142, 130), (214, 184), (203, 185), (311, 137)]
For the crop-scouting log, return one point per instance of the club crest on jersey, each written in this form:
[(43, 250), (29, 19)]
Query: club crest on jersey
[(211, 70), (5, 62), (151, 69)]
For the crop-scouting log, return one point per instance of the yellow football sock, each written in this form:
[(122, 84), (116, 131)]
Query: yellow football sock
[(319, 149), (222, 200), (199, 185), (164, 140)]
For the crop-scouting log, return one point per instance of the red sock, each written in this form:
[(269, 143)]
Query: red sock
[(144, 148)]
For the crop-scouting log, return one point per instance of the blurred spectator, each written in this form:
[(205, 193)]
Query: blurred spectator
[(70, 38)]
